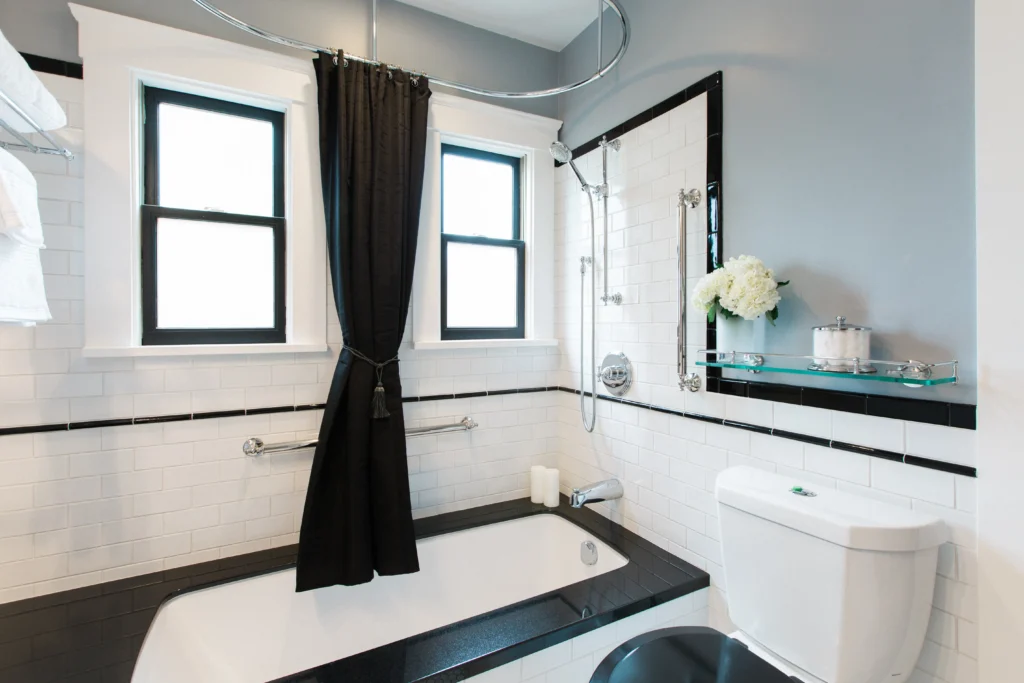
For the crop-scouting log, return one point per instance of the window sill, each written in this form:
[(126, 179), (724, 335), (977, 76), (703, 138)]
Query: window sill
[(483, 344), (200, 350)]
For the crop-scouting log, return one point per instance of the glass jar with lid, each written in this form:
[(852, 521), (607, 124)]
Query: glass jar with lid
[(842, 347)]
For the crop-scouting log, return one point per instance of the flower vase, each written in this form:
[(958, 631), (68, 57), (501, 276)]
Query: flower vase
[(739, 335)]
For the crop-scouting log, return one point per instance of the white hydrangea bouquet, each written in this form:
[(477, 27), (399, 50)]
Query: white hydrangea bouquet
[(743, 287)]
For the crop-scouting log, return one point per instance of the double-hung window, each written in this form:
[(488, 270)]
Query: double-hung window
[(213, 227), (483, 255)]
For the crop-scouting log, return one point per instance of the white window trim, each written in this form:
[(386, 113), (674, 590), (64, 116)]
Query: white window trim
[(125, 53), (469, 123)]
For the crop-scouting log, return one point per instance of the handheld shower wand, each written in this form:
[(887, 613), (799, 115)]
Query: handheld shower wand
[(563, 155)]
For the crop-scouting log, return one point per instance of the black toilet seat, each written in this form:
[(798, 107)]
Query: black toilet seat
[(687, 654)]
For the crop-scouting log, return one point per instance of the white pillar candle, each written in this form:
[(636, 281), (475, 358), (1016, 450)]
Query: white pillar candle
[(538, 479), (551, 488)]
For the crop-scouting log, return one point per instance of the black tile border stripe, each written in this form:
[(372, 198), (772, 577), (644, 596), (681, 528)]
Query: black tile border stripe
[(218, 413), (761, 429), (269, 410), (48, 65), (950, 467), (154, 419), (867, 450), (794, 436), (906, 459)]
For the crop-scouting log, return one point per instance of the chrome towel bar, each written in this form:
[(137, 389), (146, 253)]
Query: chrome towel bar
[(255, 446)]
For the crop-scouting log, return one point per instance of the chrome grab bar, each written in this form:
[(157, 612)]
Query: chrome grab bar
[(688, 199), (463, 425), (254, 446)]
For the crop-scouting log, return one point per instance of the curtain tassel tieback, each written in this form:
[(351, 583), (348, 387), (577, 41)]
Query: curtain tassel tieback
[(379, 403)]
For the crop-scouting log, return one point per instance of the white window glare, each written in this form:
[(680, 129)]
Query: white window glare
[(214, 275), (478, 197), (482, 284), (214, 161)]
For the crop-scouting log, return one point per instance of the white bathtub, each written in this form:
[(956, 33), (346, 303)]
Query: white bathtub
[(259, 629)]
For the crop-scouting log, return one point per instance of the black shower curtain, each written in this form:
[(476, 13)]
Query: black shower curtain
[(373, 129)]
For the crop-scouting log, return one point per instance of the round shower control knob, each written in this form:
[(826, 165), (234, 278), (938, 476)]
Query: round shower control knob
[(616, 373)]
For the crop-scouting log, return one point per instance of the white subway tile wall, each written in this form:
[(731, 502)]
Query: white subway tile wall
[(668, 464), (82, 507)]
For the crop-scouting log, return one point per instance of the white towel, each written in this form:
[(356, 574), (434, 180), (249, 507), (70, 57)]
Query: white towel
[(22, 294), (19, 83), (19, 202)]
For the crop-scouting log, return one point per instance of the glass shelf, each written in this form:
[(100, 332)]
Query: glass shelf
[(908, 372)]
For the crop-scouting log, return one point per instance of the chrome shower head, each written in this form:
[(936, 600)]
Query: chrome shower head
[(563, 155), (561, 152)]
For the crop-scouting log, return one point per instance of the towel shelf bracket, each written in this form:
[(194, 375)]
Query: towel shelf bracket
[(24, 143)]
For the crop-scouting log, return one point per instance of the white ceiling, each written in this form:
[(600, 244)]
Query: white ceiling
[(550, 24)]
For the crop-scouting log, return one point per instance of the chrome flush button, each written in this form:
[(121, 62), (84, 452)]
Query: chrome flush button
[(801, 491)]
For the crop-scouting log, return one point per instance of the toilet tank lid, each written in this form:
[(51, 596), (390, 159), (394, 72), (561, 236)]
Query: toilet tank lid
[(836, 516)]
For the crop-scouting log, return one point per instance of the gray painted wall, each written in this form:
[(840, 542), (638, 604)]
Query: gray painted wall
[(849, 156), (406, 36)]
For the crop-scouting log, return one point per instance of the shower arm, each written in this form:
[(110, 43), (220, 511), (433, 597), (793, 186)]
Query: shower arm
[(687, 380), (613, 5)]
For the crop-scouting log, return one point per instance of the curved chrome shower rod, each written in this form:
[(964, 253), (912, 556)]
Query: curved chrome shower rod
[(302, 45)]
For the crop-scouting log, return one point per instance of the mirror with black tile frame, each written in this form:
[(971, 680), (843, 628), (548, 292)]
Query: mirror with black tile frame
[(914, 291)]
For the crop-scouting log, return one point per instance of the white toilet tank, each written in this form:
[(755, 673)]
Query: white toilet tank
[(836, 584)]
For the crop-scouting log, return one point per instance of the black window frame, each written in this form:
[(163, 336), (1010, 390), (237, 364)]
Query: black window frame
[(463, 333), (152, 211)]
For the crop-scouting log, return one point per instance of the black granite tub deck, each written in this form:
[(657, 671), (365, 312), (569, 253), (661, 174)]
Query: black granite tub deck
[(94, 634)]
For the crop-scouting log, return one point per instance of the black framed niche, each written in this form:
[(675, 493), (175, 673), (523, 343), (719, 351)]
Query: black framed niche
[(899, 408), (940, 413), (482, 245), (213, 240)]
